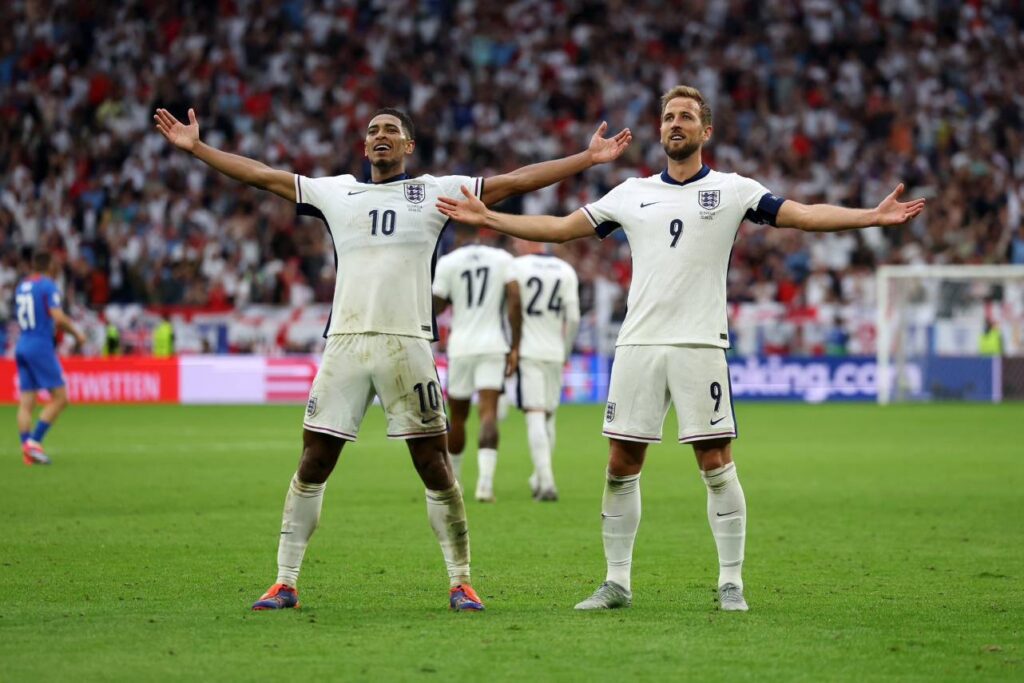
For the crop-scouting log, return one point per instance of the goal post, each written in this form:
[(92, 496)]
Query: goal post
[(950, 333)]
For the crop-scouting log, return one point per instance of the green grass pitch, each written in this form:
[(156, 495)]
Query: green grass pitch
[(883, 543)]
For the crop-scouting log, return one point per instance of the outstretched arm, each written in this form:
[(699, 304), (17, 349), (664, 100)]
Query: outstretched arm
[(829, 218), (536, 176), (471, 211), (249, 171)]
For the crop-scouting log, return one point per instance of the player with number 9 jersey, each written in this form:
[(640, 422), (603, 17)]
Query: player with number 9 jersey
[(680, 225)]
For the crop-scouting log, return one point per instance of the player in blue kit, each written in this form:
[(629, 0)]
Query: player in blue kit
[(37, 307)]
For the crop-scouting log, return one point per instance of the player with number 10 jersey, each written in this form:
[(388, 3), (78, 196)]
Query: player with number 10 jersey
[(385, 233)]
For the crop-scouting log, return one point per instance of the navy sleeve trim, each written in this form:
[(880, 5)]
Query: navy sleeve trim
[(311, 211), (435, 335), (298, 184), (606, 228), (767, 210)]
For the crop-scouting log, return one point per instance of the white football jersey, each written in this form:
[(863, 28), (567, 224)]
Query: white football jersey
[(473, 279), (549, 292), (385, 235), (681, 236)]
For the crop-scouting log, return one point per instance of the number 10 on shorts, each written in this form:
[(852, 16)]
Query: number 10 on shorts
[(429, 394)]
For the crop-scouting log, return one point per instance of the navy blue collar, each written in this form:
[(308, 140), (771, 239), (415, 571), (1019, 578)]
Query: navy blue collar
[(704, 170), (400, 176)]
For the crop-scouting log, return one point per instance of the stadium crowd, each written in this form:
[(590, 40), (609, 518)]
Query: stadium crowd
[(821, 100)]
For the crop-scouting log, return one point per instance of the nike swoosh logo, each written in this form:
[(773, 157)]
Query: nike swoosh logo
[(644, 206), (714, 422), (360, 192), (604, 516), (726, 514)]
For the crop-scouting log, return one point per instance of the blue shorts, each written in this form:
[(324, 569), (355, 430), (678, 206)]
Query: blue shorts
[(38, 370)]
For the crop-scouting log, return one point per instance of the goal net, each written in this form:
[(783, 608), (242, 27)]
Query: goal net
[(950, 333)]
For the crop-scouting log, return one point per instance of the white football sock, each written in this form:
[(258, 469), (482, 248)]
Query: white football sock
[(540, 449), (487, 462), (551, 433), (301, 517), (620, 518), (456, 465), (727, 515), (447, 515)]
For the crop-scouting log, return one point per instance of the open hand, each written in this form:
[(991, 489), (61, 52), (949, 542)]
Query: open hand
[(603, 150), (177, 133), (511, 362), (470, 211), (891, 211)]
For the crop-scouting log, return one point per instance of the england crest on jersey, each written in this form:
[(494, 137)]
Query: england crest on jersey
[(709, 199), (415, 192)]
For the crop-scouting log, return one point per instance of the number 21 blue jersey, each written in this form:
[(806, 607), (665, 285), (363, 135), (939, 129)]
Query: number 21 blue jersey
[(33, 299)]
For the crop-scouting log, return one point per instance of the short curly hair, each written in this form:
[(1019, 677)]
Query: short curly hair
[(407, 126)]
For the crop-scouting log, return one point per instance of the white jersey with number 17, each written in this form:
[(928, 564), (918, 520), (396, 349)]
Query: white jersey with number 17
[(384, 237), (472, 278), (681, 236)]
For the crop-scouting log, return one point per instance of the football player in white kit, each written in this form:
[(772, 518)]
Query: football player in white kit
[(548, 290), (471, 278), (385, 233), (681, 225)]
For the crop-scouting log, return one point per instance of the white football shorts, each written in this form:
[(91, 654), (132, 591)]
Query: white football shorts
[(539, 385), (355, 367), (467, 374), (646, 378)]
